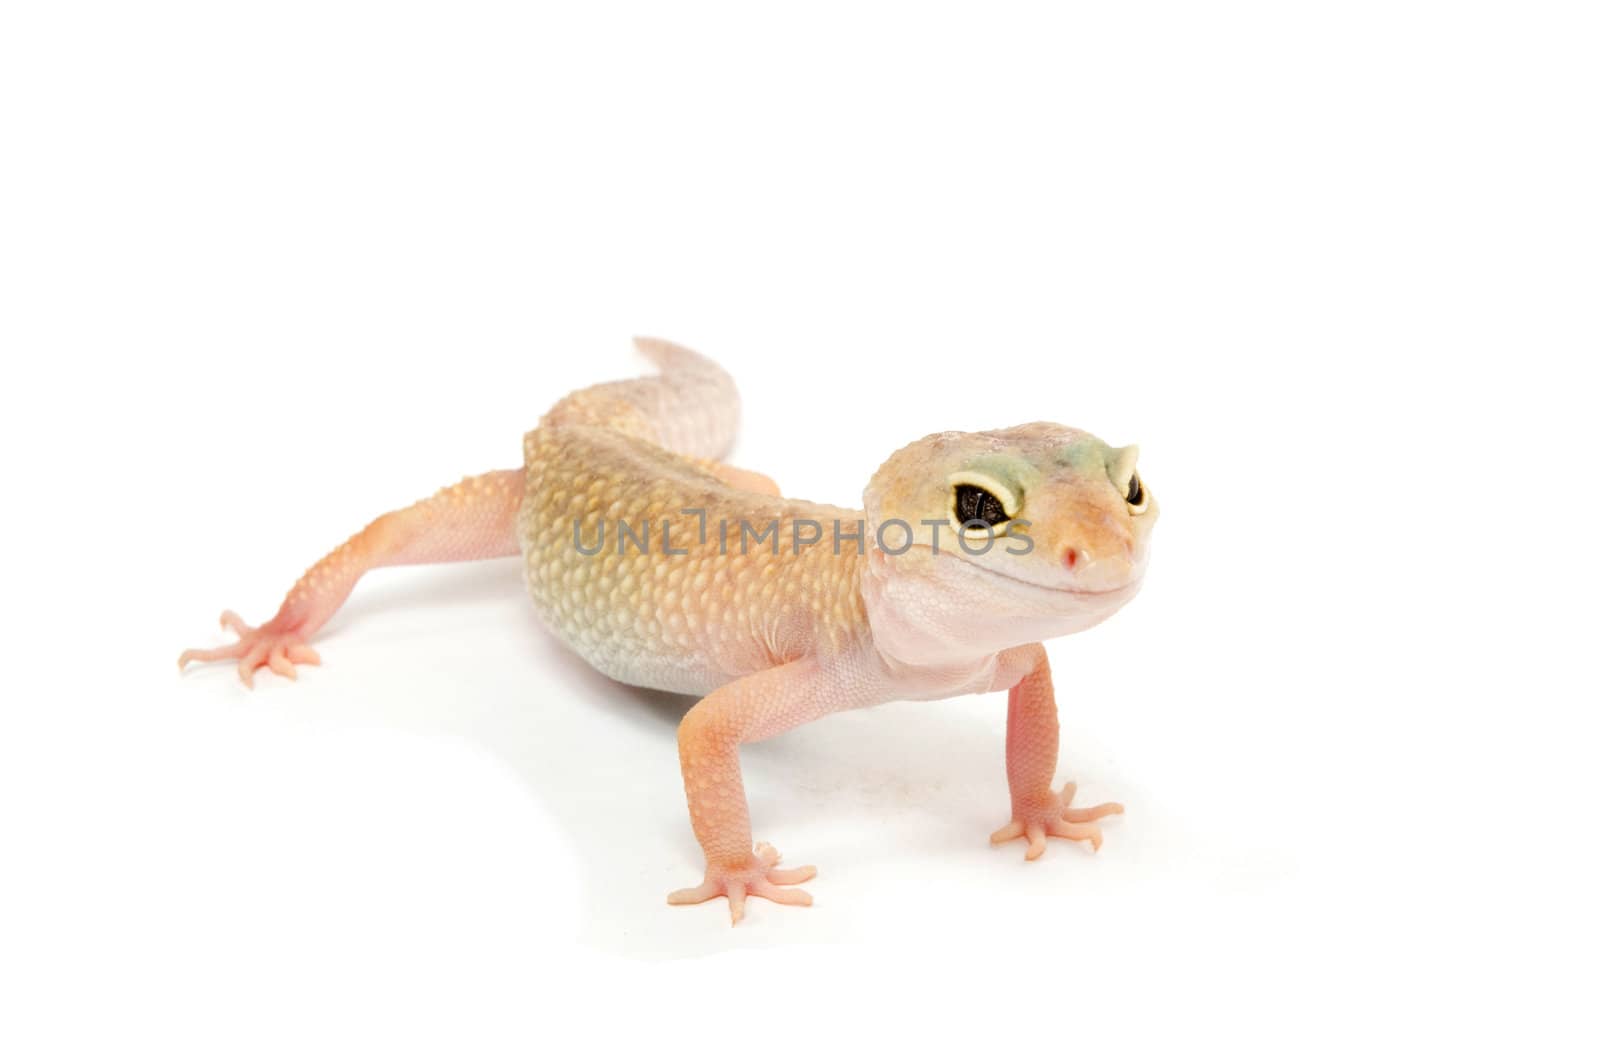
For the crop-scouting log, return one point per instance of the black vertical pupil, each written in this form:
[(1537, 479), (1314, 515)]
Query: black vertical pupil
[(1135, 491), (975, 504)]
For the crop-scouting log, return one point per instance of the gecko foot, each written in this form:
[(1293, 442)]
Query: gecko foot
[(1053, 815), (278, 649), (757, 875)]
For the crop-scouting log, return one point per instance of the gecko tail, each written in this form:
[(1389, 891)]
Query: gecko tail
[(690, 406), (697, 407)]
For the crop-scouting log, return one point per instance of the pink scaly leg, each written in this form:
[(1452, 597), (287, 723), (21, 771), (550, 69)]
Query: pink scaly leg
[(473, 519), (1032, 739), (749, 709)]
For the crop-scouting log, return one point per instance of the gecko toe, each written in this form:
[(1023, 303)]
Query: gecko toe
[(788, 876), (1011, 831), (1094, 812), (781, 895)]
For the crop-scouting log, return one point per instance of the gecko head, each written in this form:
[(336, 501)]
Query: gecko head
[(981, 541)]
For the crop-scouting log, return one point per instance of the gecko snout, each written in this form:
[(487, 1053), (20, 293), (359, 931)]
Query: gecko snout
[(1097, 566), (1079, 559)]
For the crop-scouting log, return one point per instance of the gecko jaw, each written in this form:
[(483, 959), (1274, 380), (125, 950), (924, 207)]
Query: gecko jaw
[(1073, 591), (1052, 589)]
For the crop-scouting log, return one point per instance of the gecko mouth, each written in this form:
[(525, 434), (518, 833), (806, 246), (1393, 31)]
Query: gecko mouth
[(1076, 592), (1052, 589)]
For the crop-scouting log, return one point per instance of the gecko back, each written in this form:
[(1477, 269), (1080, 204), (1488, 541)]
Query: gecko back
[(636, 538)]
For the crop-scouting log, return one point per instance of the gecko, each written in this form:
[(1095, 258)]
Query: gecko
[(663, 566)]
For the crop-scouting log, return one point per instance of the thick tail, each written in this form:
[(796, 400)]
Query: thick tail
[(690, 407)]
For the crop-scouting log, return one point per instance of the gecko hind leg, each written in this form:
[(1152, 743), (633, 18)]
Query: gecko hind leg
[(473, 519), (743, 479)]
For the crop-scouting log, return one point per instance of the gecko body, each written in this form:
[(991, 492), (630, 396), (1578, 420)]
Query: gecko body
[(664, 567)]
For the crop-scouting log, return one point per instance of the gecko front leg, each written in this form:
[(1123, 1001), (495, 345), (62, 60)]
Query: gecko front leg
[(1032, 741), (749, 709)]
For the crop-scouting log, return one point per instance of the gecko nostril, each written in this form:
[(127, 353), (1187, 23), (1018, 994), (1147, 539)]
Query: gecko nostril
[(1072, 557)]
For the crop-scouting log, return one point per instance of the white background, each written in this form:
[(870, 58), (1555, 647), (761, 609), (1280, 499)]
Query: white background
[(271, 270)]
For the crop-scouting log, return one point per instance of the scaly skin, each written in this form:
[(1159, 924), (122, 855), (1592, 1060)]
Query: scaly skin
[(835, 609)]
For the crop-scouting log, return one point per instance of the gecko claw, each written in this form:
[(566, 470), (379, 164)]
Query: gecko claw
[(269, 646), (1053, 817), (757, 877)]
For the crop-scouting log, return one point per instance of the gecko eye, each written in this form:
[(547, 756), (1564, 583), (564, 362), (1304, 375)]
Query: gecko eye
[(1135, 494), (975, 504)]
